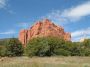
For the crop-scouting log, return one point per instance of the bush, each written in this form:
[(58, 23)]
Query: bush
[(49, 46), (62, 52), (14, 47), (3, 51), (86, 43), (37, 47), (43, 46)]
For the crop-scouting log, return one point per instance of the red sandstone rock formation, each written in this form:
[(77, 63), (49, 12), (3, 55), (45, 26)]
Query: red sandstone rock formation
[(43, 28)]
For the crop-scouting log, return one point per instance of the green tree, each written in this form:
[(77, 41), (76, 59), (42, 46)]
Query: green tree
[(14, 47), (43, 46), (37, 47), (86, 43), (62, 52)]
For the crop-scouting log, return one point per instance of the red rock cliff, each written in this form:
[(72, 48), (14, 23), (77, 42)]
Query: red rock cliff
[(43, 28)]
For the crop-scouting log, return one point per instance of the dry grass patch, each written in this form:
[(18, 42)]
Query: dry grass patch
[(45, 62)]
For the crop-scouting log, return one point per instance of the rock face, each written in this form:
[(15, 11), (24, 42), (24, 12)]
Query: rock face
[(43, 28)]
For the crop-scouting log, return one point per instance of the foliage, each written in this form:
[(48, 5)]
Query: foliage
[(49, 46), (62, 52), (44, 46), (14, 47), (2, 51), (37, 47)]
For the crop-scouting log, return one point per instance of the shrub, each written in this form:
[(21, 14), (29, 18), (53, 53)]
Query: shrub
[(3, 51), (14, 47), (86, 43), (49, 46), (62, 52), (37, 47), (43, 46)]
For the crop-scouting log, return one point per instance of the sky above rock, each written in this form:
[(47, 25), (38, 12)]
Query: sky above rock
[(73, 15)]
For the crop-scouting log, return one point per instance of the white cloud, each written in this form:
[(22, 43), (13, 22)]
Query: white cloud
[(69, 15), (76, 13), (81, 32), (11, 11), (84, 33), (7, 32), (77, 33), (77, 39), (23, 25), (55, 16), (3, 3)]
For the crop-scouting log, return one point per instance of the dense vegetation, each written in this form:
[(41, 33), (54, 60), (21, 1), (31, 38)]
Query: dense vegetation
[(52, 46), (11, 47), (44, 46)]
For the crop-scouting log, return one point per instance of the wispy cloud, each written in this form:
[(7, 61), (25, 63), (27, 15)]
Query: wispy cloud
[(3, 3), (81, 33), (4, 6), (69, 15), (76, 13), (55, 16), (24, 25), (8, 32), (11, 11)]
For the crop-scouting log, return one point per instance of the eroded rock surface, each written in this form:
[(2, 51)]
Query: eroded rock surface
[(43, 28)]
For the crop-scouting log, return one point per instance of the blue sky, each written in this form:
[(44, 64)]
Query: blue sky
[(73, 15)]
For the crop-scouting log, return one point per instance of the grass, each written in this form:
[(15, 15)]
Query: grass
[(45, 62)]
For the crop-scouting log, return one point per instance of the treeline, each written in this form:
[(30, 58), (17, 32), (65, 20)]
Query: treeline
[(52, 46), (45, 46)]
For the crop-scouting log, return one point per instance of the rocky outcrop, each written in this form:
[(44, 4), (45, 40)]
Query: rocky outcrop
[(43, 28)]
